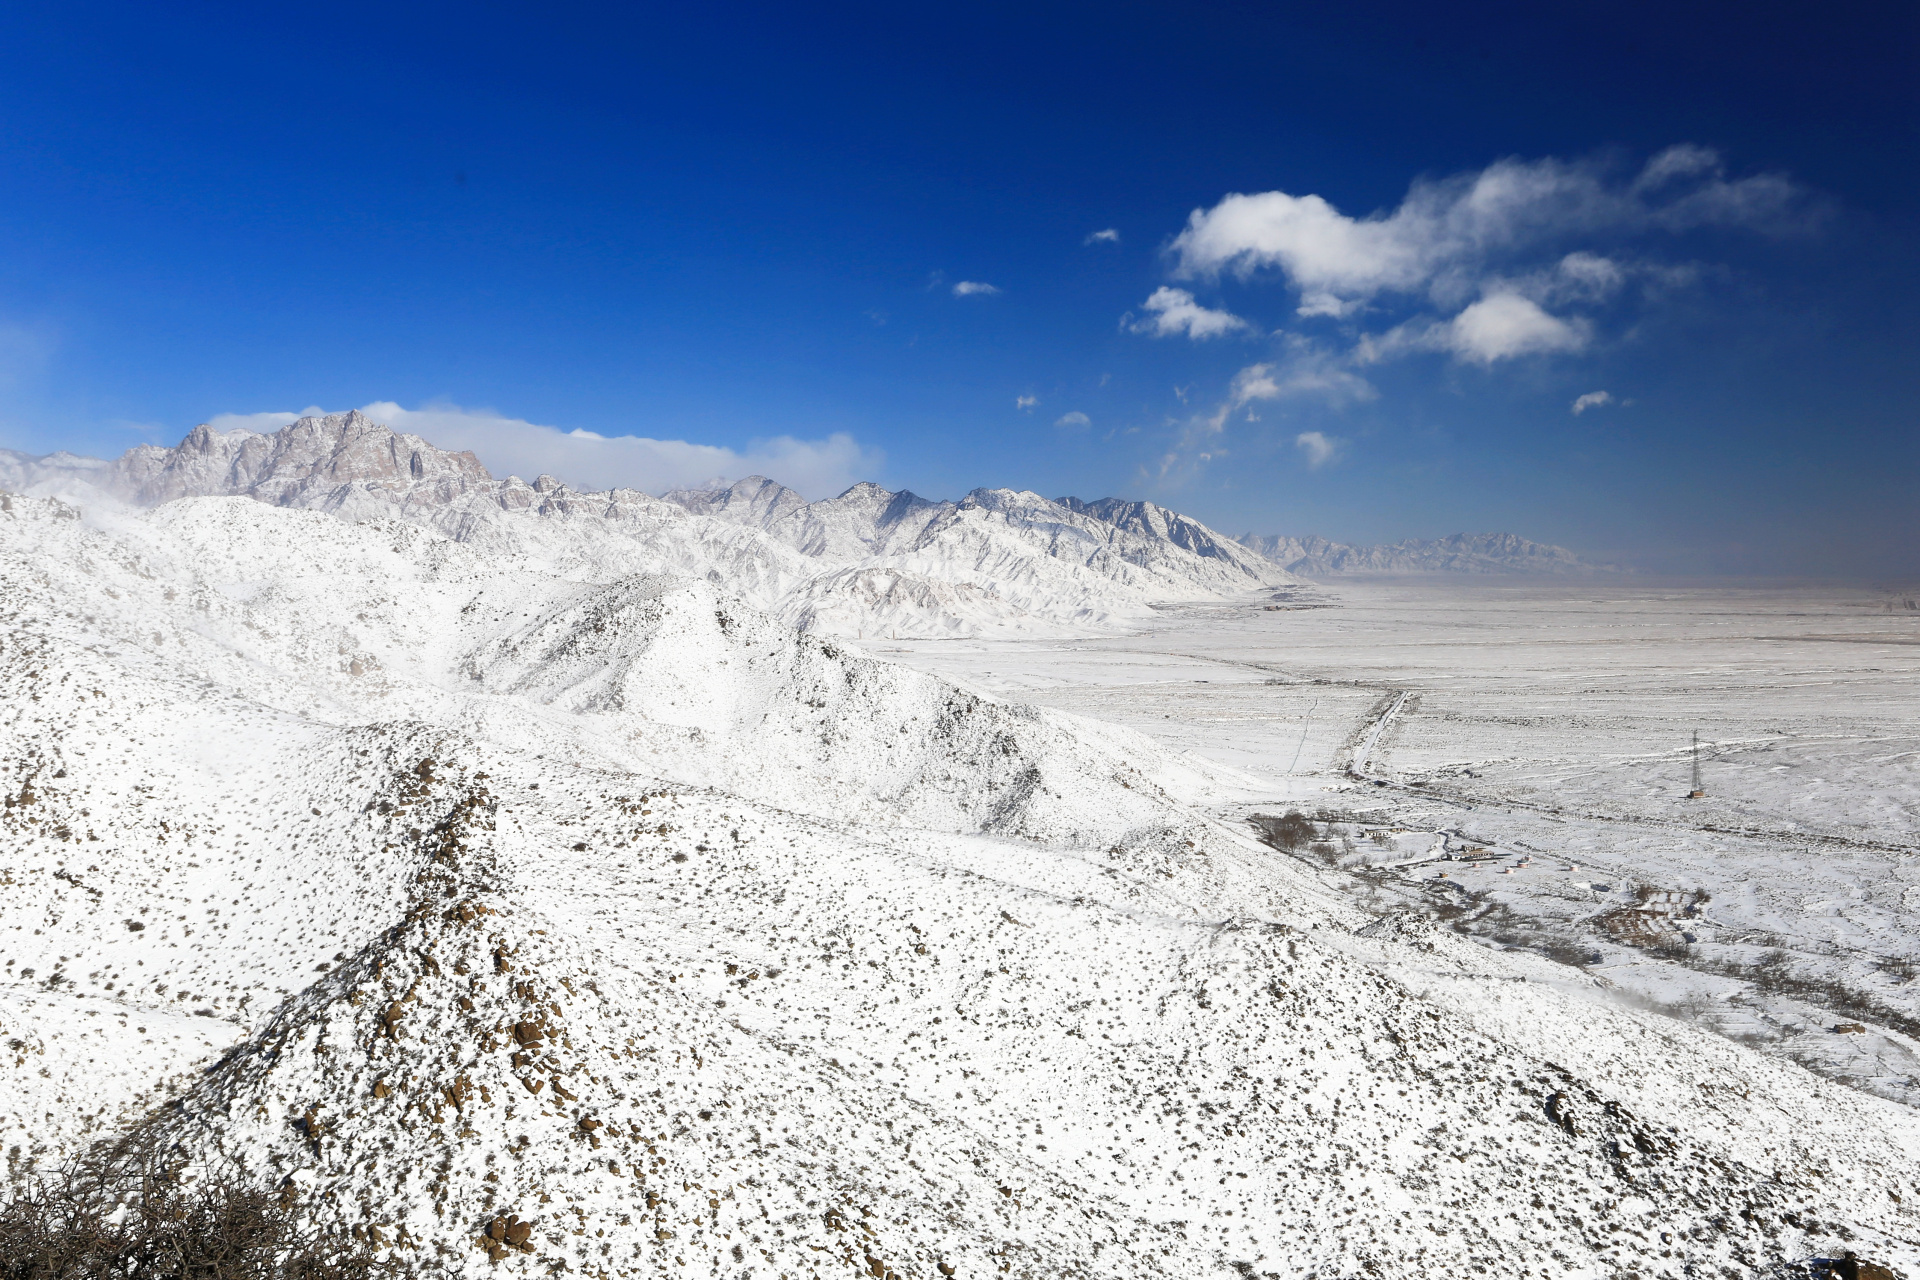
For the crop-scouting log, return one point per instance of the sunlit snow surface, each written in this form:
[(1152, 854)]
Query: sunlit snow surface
[(1552, 723), (466, 888)]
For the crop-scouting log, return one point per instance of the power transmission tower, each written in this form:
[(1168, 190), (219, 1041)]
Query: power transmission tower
[(1699, 788)]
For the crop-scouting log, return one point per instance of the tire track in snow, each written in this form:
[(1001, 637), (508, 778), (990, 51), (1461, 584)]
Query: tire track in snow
[(1370, 733)]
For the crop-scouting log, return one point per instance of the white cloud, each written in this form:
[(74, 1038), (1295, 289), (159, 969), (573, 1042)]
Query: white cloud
[(1175, 311), (967, 288), (1303, 370), (1590, 274), (1501, 326), (1321, 250), (1326, 304), (1507, 325), (1025, 402), (1487, 266), (1682, 160), (1073, 419), (1447, 234), (1319, 448), (1591, 400), (588, 460), (1108, 236), (261, 423)]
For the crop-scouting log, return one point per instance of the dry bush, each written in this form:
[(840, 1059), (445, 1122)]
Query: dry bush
[(1899, 968), (1774, 974), (107, 1220), (1568, 953), (1288, 833)]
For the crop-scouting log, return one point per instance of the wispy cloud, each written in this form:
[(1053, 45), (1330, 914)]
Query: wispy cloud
[(1303, 370), (969, 288), (1446, 233), (1025, 402), (1107, 236), (1319, 448), (588, 460), (1174, 311), (264, 423), (25, 352), (1495, 264), (1074, 418), (1591, 400)]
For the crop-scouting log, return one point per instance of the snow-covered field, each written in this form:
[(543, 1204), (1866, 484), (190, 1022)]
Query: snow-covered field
[(440, 881), (1551, 723)]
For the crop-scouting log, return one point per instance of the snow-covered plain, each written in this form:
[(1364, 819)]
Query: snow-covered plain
[(1551, 723), (439, 880)]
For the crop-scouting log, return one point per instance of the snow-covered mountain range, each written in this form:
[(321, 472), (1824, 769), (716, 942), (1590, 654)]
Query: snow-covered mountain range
[(1315, 557), (868, 562), (441, 881)]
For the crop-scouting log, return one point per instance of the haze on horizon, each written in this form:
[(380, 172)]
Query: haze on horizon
[(1628, 281)]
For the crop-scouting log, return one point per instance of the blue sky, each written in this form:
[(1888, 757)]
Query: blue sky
[(1287, 269)]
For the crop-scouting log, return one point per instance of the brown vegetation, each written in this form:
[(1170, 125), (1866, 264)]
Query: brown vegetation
[(143, 1221)]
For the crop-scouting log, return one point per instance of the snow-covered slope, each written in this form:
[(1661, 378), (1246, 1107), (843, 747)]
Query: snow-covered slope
[(1316, 557), (1158, 524), (441, 882), (1083, 564), (867, 563)]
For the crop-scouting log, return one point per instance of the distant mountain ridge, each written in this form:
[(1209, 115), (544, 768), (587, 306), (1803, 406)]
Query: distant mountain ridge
[(867, 562), (1315, 557)]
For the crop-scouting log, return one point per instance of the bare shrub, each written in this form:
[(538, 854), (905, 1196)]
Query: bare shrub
[(1899, 968), (1695, 1005), (1774, 974), (1288, 832), (1569, 953), (108, 1221)]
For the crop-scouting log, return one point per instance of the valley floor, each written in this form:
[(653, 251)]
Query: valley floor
[(1551, 724)]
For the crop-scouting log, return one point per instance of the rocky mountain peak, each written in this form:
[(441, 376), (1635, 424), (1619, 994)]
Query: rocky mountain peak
[(1154, 521), (755, 500), (288, 467)]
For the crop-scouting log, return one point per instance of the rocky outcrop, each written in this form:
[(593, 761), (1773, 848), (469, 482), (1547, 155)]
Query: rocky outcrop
[(303, 465)]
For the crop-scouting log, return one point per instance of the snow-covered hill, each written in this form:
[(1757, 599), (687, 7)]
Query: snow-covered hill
[(442, 879), (1316, 557), (867, 563)]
